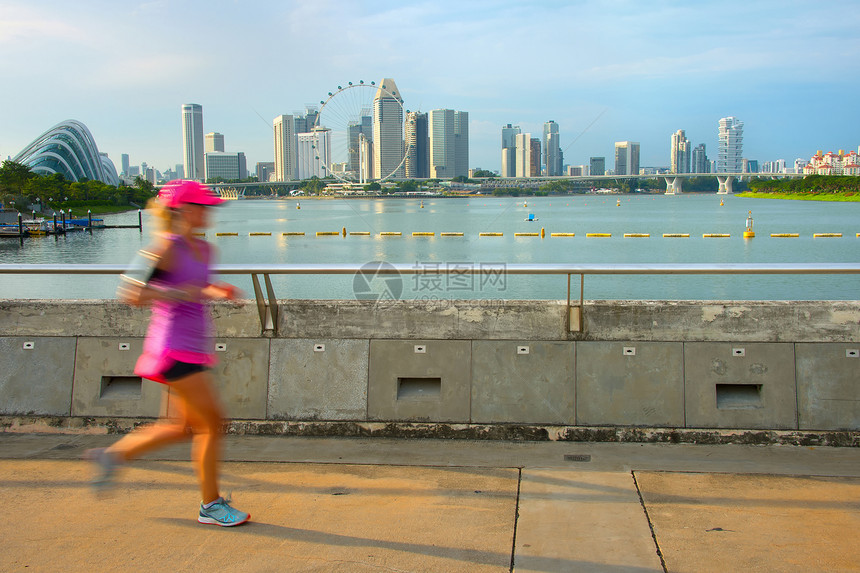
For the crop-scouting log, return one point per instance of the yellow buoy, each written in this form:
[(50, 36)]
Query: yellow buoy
[(749, 233), (721, 202), (542, 233), (298, 206)]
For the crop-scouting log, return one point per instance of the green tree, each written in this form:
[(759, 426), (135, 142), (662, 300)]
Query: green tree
[(483, 173), (13, 177), (312, 186), (408, 186)]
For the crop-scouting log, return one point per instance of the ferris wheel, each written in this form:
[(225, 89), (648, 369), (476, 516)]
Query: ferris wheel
[(359, 132)]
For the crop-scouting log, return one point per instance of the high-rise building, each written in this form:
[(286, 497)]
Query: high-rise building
[(597, 166), (731, 146), (681, 154), (305, 122), (522, 155), (699, 162), (265, 170), (285, 148), (362, 126), (222, 166), (417, 145), (388, 131), (365, 158), (192, 141), (509, 146), (535, 157), (313, 153), (626, 158), (214, 142), (461, 144), (125, 164), (552, 149), (442, 144)]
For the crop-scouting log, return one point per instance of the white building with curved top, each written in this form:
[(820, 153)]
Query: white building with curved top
[(68, 148)]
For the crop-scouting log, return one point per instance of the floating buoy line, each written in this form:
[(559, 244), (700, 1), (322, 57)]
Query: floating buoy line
[(747, 234)]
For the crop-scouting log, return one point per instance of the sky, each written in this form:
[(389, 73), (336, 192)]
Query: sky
[(635, 70)]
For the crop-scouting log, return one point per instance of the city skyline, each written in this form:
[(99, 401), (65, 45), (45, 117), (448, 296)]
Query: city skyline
[(784, 68)]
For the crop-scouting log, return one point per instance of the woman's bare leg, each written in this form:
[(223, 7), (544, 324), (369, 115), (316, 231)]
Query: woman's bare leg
[(203, 413), (154, 436)]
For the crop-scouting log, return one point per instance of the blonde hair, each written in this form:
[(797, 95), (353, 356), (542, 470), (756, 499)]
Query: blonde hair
[(164, 218)]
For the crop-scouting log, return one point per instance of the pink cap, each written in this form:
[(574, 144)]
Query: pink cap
[(182, 191)]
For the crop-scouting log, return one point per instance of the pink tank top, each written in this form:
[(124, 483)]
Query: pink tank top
[(182, 330)]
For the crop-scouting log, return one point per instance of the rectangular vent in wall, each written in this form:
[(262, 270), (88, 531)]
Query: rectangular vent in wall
[(120, 387), (419, 388), (738, 396)]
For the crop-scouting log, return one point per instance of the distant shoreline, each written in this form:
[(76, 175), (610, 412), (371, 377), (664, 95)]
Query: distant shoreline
[(835, 197)]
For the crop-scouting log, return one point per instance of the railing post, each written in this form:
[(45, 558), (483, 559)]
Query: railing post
[(268, 311), (574, 313)]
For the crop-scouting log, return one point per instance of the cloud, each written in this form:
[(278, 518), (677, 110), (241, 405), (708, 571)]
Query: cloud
[(22, 29)]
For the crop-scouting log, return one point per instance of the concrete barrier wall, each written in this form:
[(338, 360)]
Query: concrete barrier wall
[(718, 365)]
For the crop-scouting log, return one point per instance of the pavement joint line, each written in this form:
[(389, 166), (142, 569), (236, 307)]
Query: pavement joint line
[(648, 519), (516, 520)]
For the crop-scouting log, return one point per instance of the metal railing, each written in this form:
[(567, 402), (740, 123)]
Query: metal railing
[(267, 303)]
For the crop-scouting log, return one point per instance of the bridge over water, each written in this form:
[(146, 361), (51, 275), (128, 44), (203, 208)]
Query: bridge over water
[(674, 182)]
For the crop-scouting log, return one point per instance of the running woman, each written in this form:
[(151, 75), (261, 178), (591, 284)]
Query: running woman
[(178, 349)]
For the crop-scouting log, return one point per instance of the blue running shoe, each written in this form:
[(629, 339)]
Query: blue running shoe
[(107, 465), (220, 513)]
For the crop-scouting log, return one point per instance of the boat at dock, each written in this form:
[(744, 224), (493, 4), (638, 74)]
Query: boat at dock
[(12, 231)]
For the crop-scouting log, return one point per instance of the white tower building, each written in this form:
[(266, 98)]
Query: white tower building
[(285, 148), (522, 155), (681, 153), (192, 141), (314, 151), (731, 146), (388, 131)]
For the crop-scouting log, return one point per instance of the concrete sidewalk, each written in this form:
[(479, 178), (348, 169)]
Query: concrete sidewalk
[(332, 504)]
